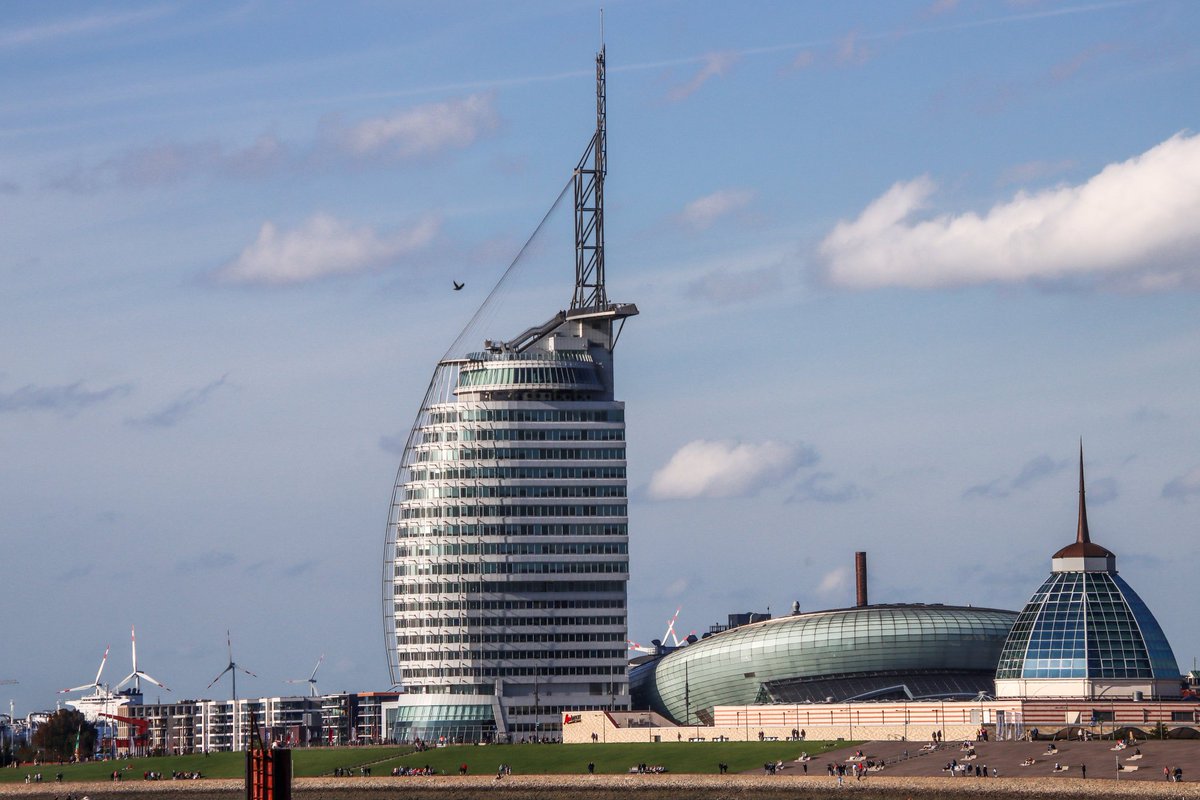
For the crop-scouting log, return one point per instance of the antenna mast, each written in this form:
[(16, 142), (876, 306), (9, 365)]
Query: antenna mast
[(589, 206)]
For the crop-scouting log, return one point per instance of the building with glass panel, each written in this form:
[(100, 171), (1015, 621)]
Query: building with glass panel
[(868, 652), (1085, 633), (506, 562)]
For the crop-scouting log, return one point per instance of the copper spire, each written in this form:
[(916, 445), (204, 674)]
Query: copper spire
[(1083, 546), (1081, 535)]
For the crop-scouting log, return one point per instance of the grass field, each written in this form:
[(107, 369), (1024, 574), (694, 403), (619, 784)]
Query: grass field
[(305, 763), (525, 759), (560, 759)]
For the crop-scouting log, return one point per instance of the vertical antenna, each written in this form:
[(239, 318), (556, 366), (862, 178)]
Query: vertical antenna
[(589, 204)]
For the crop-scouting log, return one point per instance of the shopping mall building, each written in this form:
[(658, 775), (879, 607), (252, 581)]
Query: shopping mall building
[(1084, 653)]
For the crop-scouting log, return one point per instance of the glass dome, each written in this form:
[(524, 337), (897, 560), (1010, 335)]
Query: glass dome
[(1086, 625)]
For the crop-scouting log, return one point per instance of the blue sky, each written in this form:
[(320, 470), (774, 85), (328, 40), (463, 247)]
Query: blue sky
[(893, 261)]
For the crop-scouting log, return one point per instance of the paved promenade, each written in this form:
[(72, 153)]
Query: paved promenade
[(1007, 757)]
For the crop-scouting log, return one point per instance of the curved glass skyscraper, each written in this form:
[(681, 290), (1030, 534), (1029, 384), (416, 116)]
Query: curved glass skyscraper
[(1085, 633), (506, 562)]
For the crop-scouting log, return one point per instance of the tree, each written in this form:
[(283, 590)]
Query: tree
[(64, 736)]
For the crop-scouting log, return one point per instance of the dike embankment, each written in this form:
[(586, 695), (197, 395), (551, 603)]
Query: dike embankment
[(622, 787)]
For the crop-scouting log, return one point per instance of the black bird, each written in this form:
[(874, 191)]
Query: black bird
[(457, 286)]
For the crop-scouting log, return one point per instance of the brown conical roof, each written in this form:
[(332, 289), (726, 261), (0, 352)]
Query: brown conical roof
[(1083, 546)]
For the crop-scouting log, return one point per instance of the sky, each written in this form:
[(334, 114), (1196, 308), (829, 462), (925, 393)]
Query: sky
[(894, 260)]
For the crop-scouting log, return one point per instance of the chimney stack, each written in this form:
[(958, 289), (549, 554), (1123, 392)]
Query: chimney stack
[(860, 577)]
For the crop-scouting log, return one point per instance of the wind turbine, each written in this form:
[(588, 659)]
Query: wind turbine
[(232, 668), (311, 680), (137, 675), (99, 687)]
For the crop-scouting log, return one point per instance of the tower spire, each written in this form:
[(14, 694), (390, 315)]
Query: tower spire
[(1081, 535), (589, 206)]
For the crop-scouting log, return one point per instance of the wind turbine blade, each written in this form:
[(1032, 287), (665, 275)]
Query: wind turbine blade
[(289, 680), (76, 688), (229, 645), (248, 672), (317, 667), (219, 676), (126, 680), (133, 638), (156, 683), (100, 671)]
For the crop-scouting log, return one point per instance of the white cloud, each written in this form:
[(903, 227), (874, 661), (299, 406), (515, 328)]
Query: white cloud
[(1131, 226), (727, 469), (1184, 487), (833, 581), (321, 247), (714, 66), (702, 212), (423, 130)]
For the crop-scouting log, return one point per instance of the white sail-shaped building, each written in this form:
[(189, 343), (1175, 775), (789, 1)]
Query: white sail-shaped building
[(506, 564)]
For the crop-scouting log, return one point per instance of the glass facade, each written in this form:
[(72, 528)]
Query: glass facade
[(1086, 625), (507, 556), (858, 649), (449, 722)]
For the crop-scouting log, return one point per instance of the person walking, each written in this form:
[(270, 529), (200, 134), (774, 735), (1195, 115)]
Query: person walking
[(1083, 771)]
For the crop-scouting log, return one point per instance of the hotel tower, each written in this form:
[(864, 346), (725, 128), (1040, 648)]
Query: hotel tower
[(506, 563)]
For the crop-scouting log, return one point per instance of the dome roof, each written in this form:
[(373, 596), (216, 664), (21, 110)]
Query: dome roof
[(1089, 625), (1085, 622)]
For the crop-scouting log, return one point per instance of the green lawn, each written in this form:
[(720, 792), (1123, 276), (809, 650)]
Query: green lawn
[(305, 763), (562, 759), (525, 759)]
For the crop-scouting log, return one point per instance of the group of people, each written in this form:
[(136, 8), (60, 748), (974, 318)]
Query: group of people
[(347, 772), (1174, 775), (647, 769), (407, 771), (966, 770)]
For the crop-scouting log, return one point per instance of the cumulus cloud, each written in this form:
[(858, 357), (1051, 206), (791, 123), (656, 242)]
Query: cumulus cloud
[(422, 130), (727, 469), (1032, 472), (174, 412), (1132, 226), (1184, 487), (715, 65), (833, 581), (66, 400), (321, 247), (416, 132), (702, 212)]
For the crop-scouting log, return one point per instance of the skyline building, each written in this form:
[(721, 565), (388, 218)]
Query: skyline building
[(1085, 632), (506, 556)]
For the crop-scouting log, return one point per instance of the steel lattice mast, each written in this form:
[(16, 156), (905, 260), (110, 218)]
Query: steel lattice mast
[(589, 209)]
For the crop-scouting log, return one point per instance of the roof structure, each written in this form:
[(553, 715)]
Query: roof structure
[(1085, 632)]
